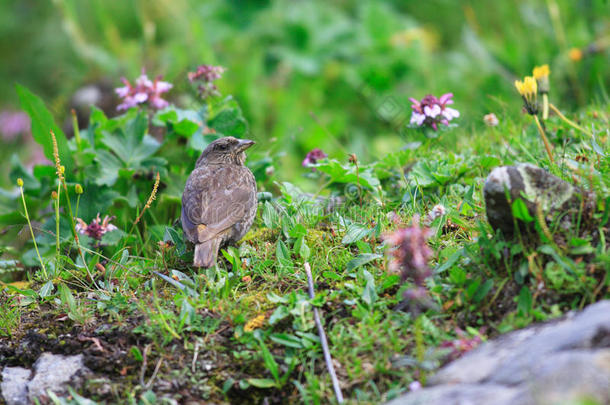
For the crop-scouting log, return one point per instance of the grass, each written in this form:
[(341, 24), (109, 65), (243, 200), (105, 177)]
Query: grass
[(244, 329), (154, 329)]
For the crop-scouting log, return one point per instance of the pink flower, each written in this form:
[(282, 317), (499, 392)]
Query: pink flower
[(313, 156), (206, 75), (432, 111), (411, 252), (144, 91), (97, 228), (13, 123), (491, 120)]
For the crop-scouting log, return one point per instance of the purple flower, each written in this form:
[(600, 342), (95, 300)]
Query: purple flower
[(144, 91), (97, 228), (432, 111), (411, 252), (205, 75), (313, 156), (13, 123)]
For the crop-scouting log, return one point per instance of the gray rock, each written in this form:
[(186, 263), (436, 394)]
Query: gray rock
[(567, 377), (534, 186), (508, 359), (55, 373), (561, 361), (51, 373), (14, 387), (463, 394)]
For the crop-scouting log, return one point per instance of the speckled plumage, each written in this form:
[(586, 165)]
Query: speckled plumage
[(219, 200)]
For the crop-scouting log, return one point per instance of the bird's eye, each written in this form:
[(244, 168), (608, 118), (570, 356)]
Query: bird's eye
[(222, 146)]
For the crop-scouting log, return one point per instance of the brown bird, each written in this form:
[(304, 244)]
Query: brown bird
[(219, 199)]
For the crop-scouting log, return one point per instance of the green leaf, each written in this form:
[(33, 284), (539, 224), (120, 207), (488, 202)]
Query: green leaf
[(483, 290), (270, 362), (524, 302), (229, 121), (362, 259), (280, 313), (300, 246), (520, 210), (42, 124), (46, 289), (287, 340), (369, 295), (354, 233), (261, 382)]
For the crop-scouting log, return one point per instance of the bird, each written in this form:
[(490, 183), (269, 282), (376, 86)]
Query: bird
[(219, 201)]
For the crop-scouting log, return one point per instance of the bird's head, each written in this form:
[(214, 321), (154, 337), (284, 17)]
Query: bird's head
[(227, 150)]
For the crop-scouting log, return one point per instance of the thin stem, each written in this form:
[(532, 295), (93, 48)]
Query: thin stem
[(547, 145), (76, 130), (323, 341), (57, 229), (27, 217), (569, 121), (545, 106)]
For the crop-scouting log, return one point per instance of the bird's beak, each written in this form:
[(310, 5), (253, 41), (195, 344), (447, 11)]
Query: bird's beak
[(244, 144)]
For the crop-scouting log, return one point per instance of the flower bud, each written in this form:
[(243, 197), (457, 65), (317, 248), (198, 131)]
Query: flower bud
[(20, 182), (78, 189), (54, 195), (62, 169)]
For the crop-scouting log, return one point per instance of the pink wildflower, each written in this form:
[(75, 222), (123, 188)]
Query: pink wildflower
[(144, 91), (432, 111), (313, 156), (13, 123), (205, 75), (97, 228)]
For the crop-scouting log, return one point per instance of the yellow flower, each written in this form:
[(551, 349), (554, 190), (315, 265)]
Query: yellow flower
[(541, 74), (20, 182), (528, 89), (541, 71), (254, 323), (575, 54)]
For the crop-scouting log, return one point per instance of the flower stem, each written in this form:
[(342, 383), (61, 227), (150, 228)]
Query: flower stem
[(27, 217), (569, 121), (545, 106), (57, 228), (547, 145)]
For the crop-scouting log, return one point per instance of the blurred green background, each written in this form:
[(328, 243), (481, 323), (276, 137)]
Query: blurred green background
[(335, 75)]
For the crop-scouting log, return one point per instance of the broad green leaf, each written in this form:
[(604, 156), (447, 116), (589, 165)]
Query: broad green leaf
[(42, 124), (287, 340), (354, 233), (520, 211), (280, 313), (362, 259)]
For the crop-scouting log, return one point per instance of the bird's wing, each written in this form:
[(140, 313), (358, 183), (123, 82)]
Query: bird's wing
[(214, 199)]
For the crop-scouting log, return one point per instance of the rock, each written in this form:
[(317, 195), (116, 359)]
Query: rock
[(562, 360), (534, 186), (465, 394), (14, 387), (55, 372), (51, 372)]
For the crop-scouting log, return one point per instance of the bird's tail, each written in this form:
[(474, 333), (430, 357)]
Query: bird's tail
[(205, 253)]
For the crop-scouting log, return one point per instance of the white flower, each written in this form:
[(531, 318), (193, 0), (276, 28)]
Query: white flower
[(417, 118), (450, 113), (491, 120), (432, 112)]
